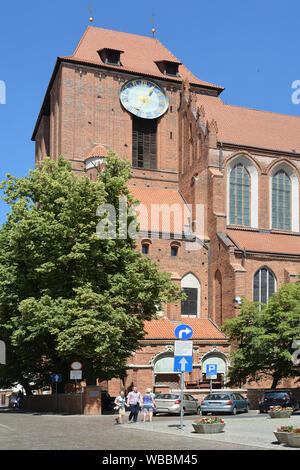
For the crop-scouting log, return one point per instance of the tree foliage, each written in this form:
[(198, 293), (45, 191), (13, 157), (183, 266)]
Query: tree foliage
[(263, 336), (64, 293)]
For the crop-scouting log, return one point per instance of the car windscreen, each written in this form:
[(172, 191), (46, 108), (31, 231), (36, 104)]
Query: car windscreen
[(166, 396), (217, 396), (276, 395)]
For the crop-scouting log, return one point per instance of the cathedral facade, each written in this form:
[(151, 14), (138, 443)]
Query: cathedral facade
[(224, 182)]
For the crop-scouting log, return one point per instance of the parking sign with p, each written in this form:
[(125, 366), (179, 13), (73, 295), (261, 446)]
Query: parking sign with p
[(211, 369)]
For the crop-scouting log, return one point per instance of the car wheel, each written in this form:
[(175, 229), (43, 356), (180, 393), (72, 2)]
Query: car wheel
[(247, 409), (204, 413), (234, 411)]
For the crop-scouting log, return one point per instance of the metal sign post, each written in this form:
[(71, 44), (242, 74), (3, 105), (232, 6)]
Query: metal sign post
[(56, 378), (181, 399), (211, 373), (183, 359)]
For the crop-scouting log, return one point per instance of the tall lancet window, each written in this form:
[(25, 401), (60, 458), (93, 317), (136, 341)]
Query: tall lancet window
[(264, 285), (144, 143), (239, 195), (281, 201)]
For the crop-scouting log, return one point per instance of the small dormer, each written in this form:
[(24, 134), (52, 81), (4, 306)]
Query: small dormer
[(110, 56), (168, 67)]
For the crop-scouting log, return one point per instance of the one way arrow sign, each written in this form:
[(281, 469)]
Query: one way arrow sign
[(56, 378), (183, 363)]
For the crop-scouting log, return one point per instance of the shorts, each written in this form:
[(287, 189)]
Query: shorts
[(121, 411)]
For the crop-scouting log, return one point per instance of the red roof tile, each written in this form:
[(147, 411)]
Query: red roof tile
[(203, 329), (139, 56), (155, 206), (97, 151), (251, 127), (265, 242)]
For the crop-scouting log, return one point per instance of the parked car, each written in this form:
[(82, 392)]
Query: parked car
[(170, 403), (224, 402), (274, 398)]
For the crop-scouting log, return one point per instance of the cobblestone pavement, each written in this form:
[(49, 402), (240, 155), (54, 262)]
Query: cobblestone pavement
[(35, 431), (251, 430)]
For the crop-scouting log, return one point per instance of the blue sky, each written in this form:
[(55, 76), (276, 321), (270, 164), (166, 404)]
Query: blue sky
[(250, 47)]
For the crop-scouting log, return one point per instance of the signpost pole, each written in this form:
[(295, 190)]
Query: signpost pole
[(181, 398), (56, 396), (56, 378), (210, 385)]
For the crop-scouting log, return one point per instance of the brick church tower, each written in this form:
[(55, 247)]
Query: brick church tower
[(231, 173)]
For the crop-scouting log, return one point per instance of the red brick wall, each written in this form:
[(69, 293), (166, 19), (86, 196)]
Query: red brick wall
[(185, 262), (86, 111), (69, 403)]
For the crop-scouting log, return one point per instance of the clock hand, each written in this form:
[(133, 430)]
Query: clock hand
[(151, 91)]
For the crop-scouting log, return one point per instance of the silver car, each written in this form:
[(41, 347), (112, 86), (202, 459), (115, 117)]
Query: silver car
[(170, 403), (227, 402)]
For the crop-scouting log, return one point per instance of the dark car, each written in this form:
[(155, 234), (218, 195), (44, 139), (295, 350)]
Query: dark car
[(278, 398)]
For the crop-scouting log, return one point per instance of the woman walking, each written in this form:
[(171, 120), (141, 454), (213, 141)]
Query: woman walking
[(148, 405), (120, 407)]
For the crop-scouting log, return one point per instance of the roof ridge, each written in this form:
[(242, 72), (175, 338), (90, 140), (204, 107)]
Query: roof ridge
[(123, 32), (259, 110)]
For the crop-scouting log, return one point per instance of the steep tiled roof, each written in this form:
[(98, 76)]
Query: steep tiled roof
[(167, 201), (252, 240), (251, 127), (139, 54), (97, 151), (203, 329)]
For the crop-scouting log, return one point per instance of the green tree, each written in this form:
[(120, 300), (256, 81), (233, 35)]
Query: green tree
[(263, 336), (65, 293)]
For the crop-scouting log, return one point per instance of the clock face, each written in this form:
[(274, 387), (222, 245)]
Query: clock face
[(144, 98)]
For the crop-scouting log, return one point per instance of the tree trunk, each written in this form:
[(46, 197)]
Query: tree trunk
[(276, 378), (88, 372), (26, 387)]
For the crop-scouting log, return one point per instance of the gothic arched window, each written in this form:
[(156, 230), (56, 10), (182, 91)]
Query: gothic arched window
[(281, 201), (239, 198), (191, 287), (264, 285)]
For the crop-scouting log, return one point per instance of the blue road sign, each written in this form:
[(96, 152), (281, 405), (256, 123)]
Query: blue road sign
[(183, 332), (183, 363), (56, 377), (211, 369)]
